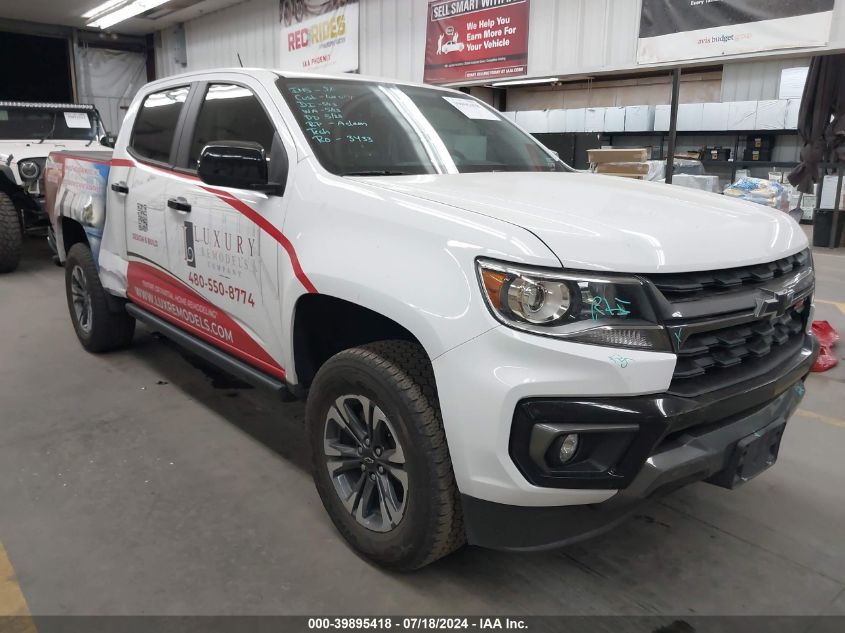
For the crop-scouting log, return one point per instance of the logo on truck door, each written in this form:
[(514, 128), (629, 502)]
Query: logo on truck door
[(220, 249), (190, 252)]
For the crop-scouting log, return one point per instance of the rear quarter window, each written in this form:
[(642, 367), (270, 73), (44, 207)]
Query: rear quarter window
[(155, 125)]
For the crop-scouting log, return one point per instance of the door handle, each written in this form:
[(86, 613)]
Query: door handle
[(120, 187), (179, 204)]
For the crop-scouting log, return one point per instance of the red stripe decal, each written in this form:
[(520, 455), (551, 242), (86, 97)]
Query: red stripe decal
[(268, 228), (244, 209), (176, 302)]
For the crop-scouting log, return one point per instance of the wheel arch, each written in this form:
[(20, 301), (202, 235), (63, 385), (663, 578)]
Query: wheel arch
[(68, 233), (324, 325)]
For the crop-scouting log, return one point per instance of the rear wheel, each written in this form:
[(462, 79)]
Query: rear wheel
[(380, 460), (11, 237), (97, 327)]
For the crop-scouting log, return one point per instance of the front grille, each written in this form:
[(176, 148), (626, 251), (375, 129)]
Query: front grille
[(747, 345), (734, 325), (697, 285)]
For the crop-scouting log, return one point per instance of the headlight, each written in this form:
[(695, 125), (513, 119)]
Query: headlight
[(581, 307), (29, 169)]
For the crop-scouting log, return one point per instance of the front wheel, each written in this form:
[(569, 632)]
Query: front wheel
[(380, 460), (97, 327), (11, 236)]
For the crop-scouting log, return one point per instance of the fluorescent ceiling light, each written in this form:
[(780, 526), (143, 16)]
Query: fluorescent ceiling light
[(525, 82), (102, 8), (125, 12)]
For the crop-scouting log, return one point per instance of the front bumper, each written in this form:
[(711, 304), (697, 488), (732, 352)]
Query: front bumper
[(482, 382), (35, 212), (685, 442)]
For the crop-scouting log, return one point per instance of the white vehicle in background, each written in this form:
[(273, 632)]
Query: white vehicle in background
[(450, 46), (494, 349), (28, 133), (453, 47)]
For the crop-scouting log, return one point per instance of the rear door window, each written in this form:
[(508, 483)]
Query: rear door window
[(155, 125)]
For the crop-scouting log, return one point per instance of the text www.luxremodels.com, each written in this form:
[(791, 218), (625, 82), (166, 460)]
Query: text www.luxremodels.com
[(191, 318)]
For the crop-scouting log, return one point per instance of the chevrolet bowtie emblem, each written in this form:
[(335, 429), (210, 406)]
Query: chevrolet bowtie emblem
[(776, 305)]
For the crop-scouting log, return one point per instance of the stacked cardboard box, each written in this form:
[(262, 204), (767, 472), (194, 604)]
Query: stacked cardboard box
[(626, 163)]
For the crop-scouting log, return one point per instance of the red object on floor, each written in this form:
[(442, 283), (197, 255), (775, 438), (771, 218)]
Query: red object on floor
[(824, 331), (825, 361), (828, 337)]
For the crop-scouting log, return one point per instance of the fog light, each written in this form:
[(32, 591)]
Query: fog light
[(568, 448), (29, 169)]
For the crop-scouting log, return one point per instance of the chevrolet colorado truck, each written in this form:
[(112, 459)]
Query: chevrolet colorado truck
[(494, 349), (28, 133)]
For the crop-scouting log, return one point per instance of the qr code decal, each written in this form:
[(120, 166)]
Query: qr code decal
[(143, 221)]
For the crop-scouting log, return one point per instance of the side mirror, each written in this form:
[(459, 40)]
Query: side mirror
[(236, 164), (108, 140)]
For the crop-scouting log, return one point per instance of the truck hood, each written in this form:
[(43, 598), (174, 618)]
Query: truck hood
[(614, 224)]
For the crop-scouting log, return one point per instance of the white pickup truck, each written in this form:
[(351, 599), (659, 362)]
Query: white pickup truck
[(494, 349)]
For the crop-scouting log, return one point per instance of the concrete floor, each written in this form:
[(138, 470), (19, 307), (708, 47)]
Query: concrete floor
[(134, 483)]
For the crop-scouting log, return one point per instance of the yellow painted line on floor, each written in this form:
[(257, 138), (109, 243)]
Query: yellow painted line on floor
[(827, 419), (838, 304), (14, 612)]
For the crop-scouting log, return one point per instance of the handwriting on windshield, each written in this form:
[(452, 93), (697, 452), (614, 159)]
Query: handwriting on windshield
[(602, 307), (322, 111)]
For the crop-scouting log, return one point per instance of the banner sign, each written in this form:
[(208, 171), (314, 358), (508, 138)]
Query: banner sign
[(319, 35), (675, 30), (469, 40)]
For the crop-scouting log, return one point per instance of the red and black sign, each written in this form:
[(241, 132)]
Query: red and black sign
[(471, 40)]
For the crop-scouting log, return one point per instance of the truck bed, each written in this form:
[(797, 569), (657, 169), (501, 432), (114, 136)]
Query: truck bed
[(75, 185)]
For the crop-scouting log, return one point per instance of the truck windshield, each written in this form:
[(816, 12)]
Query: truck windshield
[(35, 124), (359, 128)]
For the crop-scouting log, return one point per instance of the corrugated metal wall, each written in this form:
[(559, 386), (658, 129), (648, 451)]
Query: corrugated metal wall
[(392, 41), (567, 37), (582, 36), (250, 29), (756, 81), (391, 44)]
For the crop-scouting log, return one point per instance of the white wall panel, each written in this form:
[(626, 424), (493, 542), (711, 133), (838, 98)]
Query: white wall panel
[(392, 38), (573, 37), (165, 53), (756, 81), (567, 37), (250, 29), (581, 36)]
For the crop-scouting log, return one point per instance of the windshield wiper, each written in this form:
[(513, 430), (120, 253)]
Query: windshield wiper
[(50, 133), (376, 172)]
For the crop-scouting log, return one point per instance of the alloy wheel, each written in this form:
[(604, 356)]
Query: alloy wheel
[(366, 463), (81, 299)]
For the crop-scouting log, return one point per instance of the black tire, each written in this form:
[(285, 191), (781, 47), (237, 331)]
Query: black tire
[(99, 329), (397, 377), (11, 237)]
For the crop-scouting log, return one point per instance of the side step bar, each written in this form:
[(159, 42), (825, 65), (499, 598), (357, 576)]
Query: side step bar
[(206, 351)]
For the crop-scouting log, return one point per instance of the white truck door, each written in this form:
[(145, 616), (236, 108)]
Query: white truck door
[(145, 184), (221, 239)]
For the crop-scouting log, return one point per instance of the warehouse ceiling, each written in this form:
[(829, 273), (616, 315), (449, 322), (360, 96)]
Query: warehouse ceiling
[(69, 13)]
